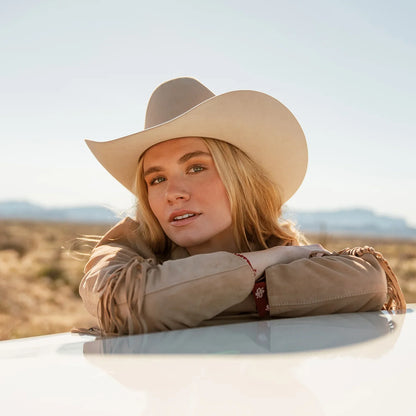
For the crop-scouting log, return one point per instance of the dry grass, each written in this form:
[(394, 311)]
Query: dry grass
[(40, 271)]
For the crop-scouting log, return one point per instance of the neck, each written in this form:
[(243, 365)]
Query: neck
[(223, 242)]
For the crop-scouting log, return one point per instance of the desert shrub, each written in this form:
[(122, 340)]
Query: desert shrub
[(53, 272), (75, 291), (21, 248), (51, 237), (408, 272)]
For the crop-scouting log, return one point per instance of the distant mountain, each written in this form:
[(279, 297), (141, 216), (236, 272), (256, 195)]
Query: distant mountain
[(348, 221), (28, 211), (356, 221)]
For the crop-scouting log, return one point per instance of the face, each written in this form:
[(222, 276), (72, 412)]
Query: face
[(187, 195)]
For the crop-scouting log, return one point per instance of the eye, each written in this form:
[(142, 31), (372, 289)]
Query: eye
[(196, 168), (157, 180)]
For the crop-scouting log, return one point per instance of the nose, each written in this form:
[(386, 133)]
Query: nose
[(176, 191)]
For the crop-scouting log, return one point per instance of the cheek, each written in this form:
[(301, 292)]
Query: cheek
[(155, 205), (220, 199)]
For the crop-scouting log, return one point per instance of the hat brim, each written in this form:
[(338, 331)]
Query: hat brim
[(255, 122)]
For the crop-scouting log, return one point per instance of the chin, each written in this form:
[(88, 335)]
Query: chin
[(188, 242)]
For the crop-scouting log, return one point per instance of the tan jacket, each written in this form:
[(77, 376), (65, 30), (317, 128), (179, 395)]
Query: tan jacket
[(147, 295)]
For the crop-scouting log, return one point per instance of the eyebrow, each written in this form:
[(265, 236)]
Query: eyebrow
[(190, 155), (181, 160)]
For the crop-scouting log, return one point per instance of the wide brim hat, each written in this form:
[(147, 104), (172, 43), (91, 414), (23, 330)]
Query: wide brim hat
[(255, 122)]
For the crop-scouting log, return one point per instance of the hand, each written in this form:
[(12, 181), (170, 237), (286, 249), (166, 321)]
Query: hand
[(262, 259), (311, 250)]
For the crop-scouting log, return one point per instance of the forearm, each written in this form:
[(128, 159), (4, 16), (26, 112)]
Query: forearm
[(208, 285), (330, 284), (140, 296)]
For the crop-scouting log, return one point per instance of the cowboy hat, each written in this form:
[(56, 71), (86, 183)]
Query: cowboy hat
[(253, 121)]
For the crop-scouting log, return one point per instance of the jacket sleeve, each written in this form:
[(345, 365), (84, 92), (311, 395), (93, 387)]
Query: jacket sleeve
[(131, 293), (325, 285)]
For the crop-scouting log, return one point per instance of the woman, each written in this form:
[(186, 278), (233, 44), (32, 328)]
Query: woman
[(211, 174)]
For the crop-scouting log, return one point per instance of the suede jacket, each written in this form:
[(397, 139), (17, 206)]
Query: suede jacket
[(127, 284)]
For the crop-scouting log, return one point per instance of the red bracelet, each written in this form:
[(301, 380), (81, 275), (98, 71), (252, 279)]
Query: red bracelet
[(261, 299), (259, 291), (248, 262)]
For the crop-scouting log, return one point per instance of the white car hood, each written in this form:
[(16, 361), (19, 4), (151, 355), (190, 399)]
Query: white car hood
[(346, 364)]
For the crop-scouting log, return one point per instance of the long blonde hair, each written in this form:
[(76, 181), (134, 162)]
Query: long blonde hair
[(254, 200)]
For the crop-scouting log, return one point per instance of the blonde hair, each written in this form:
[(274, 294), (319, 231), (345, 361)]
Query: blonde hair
[(256, 218)]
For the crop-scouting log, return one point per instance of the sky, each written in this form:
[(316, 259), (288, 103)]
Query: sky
[(85, 69)]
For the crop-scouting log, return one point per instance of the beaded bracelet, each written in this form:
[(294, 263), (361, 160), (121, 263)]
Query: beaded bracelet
[(248, 262), (259, 291)]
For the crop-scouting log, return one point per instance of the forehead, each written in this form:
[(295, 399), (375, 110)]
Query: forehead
[(172, 150)]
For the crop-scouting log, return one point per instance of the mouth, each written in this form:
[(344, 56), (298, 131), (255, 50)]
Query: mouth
[(183, 218)]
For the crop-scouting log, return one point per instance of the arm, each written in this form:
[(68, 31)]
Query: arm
[(132, 294), (298, 285), (324, 285)]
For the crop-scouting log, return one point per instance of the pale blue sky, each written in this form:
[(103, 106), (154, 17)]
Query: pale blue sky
[(85, 69)]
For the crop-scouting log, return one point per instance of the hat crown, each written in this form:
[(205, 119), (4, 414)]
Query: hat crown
[(173, 98)]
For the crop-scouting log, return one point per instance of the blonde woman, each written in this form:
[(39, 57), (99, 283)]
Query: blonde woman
[(207, 246)]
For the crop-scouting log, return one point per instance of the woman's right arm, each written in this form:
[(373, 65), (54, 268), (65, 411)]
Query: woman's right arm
[(130, 293)]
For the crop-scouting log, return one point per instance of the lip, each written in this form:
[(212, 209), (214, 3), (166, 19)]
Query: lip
[(185, 221)]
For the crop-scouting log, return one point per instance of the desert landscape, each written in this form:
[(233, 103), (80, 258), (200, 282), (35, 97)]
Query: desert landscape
[(41, 265)]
